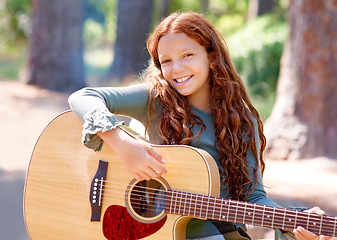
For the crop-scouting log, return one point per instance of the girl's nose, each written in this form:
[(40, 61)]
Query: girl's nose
[(177, 67)]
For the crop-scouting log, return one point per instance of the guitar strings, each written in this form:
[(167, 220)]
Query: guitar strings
[(245, 207), (276, 223), (325, 223), (304, 217), (279, 218)]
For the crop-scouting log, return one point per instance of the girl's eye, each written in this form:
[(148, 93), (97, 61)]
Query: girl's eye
[(188, 54), (165, 61)]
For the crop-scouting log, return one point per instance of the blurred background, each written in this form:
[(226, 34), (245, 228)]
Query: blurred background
[(284, 50)]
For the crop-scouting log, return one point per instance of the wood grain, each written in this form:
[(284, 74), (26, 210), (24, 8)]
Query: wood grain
[(56, 199)]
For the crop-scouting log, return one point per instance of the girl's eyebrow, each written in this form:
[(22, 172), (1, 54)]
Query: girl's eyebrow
[(161, 56)]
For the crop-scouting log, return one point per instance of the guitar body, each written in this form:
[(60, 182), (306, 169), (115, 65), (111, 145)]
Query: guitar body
[(60, 188)]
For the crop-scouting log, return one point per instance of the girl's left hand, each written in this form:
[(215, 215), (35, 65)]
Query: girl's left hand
[(301, 233)]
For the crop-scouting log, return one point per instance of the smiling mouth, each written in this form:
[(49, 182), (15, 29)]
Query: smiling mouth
[(182, 79)]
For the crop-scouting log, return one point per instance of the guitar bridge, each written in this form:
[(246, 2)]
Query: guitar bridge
[(96, 191)]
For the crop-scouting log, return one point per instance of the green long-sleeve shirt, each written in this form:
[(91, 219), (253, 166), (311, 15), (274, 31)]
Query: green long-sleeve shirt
[(91, 105)]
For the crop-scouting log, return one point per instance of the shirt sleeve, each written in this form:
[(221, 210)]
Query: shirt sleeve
[(97, 108)]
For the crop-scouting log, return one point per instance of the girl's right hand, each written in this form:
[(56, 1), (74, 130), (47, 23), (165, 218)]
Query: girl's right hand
[(139, 158)]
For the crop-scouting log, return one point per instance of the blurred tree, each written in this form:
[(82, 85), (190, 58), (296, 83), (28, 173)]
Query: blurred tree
[(164, 8), (55, 57), (260, 7), (133, 25), (204, 5), (303, 123)]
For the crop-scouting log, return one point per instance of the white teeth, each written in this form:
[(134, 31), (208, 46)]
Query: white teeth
[(180, 80)]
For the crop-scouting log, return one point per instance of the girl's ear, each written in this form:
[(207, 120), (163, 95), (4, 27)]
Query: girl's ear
[(212, 60)]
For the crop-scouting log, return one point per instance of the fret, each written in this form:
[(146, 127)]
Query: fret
[(249, 217), (177, 202), (195, 205), (272, 222), (180, 200), (284, 217), (214, 207), (229, 204), (295, 222), (236, 211), (172, 192), (220, 215), (201, 205), (263, 211), (185, 200), (190, 204), (253, 214), (308, 220), (244, 213), (206, 216), (268, 216), (182, 203), (334, 229), (320, 226)]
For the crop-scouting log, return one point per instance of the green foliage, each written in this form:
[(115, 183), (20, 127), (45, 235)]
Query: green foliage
[(100, 23), (229, 23), (93, 33), (256, 51), (228, 15), (110, 10), (97, 62), (15, 21), (11, 60), (190, 5), (228, 7)]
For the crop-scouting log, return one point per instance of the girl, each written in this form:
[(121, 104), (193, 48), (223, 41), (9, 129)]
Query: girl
[(191, 95)]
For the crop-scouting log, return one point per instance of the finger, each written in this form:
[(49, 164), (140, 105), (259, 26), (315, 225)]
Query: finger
[(322, 237), (152, 173), (155, 155), (142, 175), (156, 165), (137, 176), (158, 169), (157, 172), (301, 233), (317, 211)]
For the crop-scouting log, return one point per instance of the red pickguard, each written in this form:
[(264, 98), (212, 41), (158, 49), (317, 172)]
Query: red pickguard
[(119, 225)]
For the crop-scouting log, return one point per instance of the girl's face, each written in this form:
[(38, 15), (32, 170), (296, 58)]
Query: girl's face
[(185, 64)]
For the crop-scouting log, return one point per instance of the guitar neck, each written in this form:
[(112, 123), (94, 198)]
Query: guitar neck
[(205, 207)]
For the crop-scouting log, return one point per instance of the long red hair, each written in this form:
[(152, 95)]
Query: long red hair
[(231, 107)]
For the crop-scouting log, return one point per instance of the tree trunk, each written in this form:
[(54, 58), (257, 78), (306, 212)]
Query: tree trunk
[(164, 8), (204, 6), (303, 123), (133, 25), (55, 57), (259, 7)]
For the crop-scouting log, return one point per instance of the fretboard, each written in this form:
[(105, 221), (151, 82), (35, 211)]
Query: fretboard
[(205, 207)]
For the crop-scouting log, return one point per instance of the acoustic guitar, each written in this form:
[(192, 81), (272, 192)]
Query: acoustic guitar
[(73, 192)]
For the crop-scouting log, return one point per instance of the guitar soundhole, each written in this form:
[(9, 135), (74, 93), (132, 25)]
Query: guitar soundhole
[(147, 200), (143, 215)]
